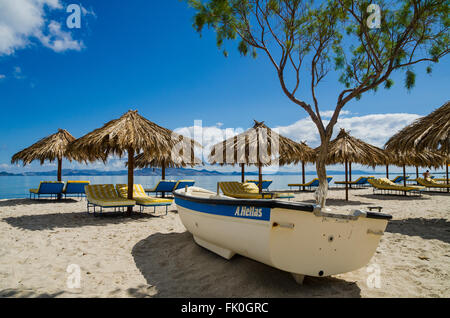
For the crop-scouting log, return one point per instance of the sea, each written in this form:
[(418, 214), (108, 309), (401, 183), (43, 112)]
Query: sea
[(16, 187)]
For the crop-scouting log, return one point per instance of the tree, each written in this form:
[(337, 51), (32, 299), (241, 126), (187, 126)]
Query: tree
[(305, 40)]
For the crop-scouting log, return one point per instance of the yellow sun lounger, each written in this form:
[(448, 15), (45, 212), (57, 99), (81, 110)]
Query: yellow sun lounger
[(249, 190), (105, 196), (386, 186), (431, 184), (142, 199)]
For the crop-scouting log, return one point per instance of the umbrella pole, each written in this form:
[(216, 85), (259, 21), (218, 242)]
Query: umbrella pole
[(260, 178), (404, 176), (59, 174), (387, 171), (130, 176), (346, 181), (417, 172), (350, 173), (303, 174), (446, 168), (163, 172), (242, 173)]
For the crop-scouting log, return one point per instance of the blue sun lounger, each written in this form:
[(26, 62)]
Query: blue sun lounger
[(181, 184), (399, 179), (265, 183), (310, 184), (163, 187), (75, 188), (48, 188)]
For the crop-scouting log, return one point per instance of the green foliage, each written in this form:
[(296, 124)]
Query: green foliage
[(332, 34)]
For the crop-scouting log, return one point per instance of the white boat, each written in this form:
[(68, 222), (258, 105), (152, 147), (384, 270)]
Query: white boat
[(291, 236)]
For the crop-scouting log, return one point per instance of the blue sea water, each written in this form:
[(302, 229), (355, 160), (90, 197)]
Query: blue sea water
[(17, 186)]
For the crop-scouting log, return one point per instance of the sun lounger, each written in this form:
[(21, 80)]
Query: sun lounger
[(163, 187), (386, 186), (399, 179), (105, 196), (433, 185), (48, 188), (181, 184), (249, 191), (75, 188), (313, 183), (265, 183), (360, 182), (142, 199)]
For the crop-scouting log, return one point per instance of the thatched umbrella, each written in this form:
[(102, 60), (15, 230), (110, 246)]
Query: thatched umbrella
[(308, 155), (181, 159), (258, 146), (424, 158), (345, 149), (51, 148), (431, 132), (131, 133)]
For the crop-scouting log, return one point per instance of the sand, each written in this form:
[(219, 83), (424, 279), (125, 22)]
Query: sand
[(145, 256)]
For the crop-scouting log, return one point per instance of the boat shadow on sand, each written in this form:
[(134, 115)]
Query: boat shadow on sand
[(177, 267)]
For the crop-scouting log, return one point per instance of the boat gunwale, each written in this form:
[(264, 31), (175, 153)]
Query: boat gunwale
[(272, 204)]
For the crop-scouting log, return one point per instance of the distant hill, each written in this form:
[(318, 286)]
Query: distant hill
[(175, 172)]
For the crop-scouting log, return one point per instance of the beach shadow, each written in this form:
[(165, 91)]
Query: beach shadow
[(392, 197), (339, 202), (15, 293), (53, 221), (429, 229), (177, 267), (21, 202)]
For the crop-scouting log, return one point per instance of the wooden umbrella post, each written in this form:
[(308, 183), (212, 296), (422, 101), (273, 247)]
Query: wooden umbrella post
[(417, 172), (59, 175), (303, 174), (446, 168), (242, 173), (350, 173), (404, 176), (346, 181), (130, 177), (260, 177), (163, 171), (387, 171)]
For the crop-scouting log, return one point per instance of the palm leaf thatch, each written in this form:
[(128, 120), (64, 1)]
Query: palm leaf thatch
[(431, 132), (346, 149), (131, 133), (424, 158), (178, 159), (51, 148), (260, 146)]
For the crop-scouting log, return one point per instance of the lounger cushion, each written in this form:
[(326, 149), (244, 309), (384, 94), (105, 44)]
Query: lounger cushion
[(140, 196), (106, 196), (250, 187), (236, 190)]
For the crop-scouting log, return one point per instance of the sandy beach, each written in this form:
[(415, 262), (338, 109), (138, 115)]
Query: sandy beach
[(145, 256)]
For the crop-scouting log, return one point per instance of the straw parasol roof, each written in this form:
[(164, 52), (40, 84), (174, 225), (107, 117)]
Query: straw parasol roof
[(131, 133), (51, 148), (346, 149), (431, 132), (260, 146)]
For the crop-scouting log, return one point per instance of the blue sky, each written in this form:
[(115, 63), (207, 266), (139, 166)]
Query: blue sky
[(145, 55)]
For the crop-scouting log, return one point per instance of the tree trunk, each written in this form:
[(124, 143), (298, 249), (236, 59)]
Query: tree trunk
[(322, 189), (130, 176), (303, 174), (242, 173)]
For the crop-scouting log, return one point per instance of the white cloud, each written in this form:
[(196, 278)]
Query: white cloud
[(23, 22), (2, 76), (329, 113)]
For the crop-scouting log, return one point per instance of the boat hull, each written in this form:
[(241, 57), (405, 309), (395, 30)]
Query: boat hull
[(300, 242)]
